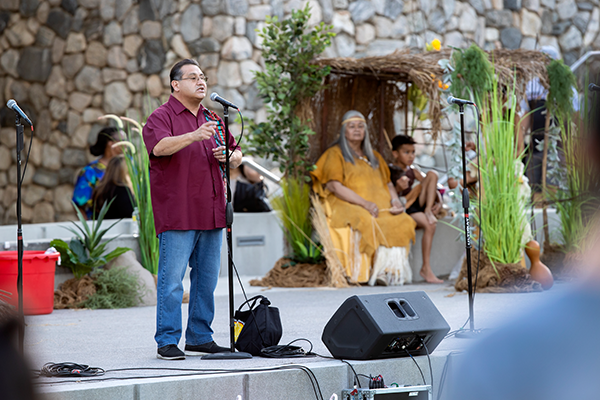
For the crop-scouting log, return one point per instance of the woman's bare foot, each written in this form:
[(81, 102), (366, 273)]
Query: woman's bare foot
[(430, 217), (430, 277)]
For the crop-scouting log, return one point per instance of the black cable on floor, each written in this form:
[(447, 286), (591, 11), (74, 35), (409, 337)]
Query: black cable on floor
[(196, 371), (69, 369), (420, 370)]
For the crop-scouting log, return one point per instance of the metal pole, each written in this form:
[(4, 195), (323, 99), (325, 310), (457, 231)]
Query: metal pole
[(465, 200), (229, 222), (21, 315), (232, 355)]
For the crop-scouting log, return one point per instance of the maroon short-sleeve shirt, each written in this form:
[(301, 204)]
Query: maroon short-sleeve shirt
[(186, 187)]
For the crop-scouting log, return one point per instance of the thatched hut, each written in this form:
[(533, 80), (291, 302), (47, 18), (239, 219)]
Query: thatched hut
[(377, 87)]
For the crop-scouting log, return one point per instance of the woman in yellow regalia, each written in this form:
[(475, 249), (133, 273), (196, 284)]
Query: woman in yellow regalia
[(369, 228)]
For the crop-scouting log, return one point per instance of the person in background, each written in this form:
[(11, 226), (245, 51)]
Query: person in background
[(115, 186), (248, 191), (532, 118), (426, 200), (91, 174), (15, 374), (472, 172), (353, 182)]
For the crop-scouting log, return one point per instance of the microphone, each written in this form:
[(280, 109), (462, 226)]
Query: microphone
[(215, 97), (13, 106), (593, 87), (454, 100)]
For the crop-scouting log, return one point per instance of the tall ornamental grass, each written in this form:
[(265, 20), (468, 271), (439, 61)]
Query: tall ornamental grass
[(293, 207), (502, 217), (138, 166), (572, 195)]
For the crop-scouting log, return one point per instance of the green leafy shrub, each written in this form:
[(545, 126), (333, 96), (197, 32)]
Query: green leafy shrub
[(289, 47), (560, 94), (115, 288), (85, 252), (472, 73)]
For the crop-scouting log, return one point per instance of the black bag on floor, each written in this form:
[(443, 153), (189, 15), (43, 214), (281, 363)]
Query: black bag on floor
[(258, 327)]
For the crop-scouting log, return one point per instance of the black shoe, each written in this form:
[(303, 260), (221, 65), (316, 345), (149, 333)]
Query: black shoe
[(170, 352), (206, 348)]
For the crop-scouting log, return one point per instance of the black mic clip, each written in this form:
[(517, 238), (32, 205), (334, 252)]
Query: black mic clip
[(593, 87)]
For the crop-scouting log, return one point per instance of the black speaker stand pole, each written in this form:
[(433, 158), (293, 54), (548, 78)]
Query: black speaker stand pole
[(471, 332), (21, 316), (231, 354)]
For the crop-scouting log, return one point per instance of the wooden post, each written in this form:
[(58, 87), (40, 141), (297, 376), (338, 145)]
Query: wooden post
[(325, 117), (406, 110), (544, 170)]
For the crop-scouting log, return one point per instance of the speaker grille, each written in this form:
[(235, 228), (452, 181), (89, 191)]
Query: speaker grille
[(352, 322)]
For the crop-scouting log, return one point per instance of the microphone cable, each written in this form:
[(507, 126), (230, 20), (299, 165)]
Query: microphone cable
[(27, 158)]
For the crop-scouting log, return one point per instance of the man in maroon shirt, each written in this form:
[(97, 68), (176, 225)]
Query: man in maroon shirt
[(185, 142)]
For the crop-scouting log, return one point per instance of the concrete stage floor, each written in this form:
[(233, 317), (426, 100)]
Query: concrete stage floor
[(114, 339)]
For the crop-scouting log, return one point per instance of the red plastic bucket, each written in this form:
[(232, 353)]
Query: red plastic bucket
[(38, 280)]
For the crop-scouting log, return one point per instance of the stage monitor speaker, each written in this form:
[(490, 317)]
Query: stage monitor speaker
[(384, 326)]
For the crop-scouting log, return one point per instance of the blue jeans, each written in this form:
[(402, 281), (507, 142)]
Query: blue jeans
[(202, 250)]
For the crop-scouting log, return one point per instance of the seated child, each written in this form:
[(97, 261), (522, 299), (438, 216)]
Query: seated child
[(471, 153), (424, 207)]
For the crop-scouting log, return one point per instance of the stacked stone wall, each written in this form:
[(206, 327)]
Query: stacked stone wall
[(67, 62)]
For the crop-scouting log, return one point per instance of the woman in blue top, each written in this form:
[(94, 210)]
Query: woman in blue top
[(91, 174)]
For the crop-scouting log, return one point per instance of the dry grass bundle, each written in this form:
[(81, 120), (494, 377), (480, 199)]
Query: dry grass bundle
[(73, 292), (287, 274), (335, 270)]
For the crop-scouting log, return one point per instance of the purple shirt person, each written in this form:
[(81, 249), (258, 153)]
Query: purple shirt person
[(185, 142)]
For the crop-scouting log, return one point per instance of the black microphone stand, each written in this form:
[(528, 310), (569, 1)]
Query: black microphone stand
[(21, 315), (471, 332), (231, 354)]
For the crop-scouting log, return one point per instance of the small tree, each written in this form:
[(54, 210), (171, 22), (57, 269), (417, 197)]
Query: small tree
[(289, 47)]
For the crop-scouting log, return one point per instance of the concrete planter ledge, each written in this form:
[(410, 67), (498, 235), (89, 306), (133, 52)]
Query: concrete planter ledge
[(259, 242)]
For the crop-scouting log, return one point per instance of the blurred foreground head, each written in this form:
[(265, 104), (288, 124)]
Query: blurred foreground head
[(15, 376)]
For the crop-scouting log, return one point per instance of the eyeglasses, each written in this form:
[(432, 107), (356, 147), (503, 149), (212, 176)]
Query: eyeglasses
[(195, 79)]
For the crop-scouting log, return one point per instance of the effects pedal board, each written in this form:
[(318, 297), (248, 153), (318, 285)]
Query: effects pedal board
[(422, 392)]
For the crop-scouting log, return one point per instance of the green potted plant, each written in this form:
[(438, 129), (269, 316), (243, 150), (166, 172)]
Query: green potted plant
[(501, 220), (86, 252), (84, 255)]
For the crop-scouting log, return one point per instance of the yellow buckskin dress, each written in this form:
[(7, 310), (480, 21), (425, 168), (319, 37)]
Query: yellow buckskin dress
[(368, 247)]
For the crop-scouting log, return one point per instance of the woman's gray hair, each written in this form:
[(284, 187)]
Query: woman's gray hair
[(347, 152)]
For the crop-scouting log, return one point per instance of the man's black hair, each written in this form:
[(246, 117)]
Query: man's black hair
[(176, 73), (400, 140)]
